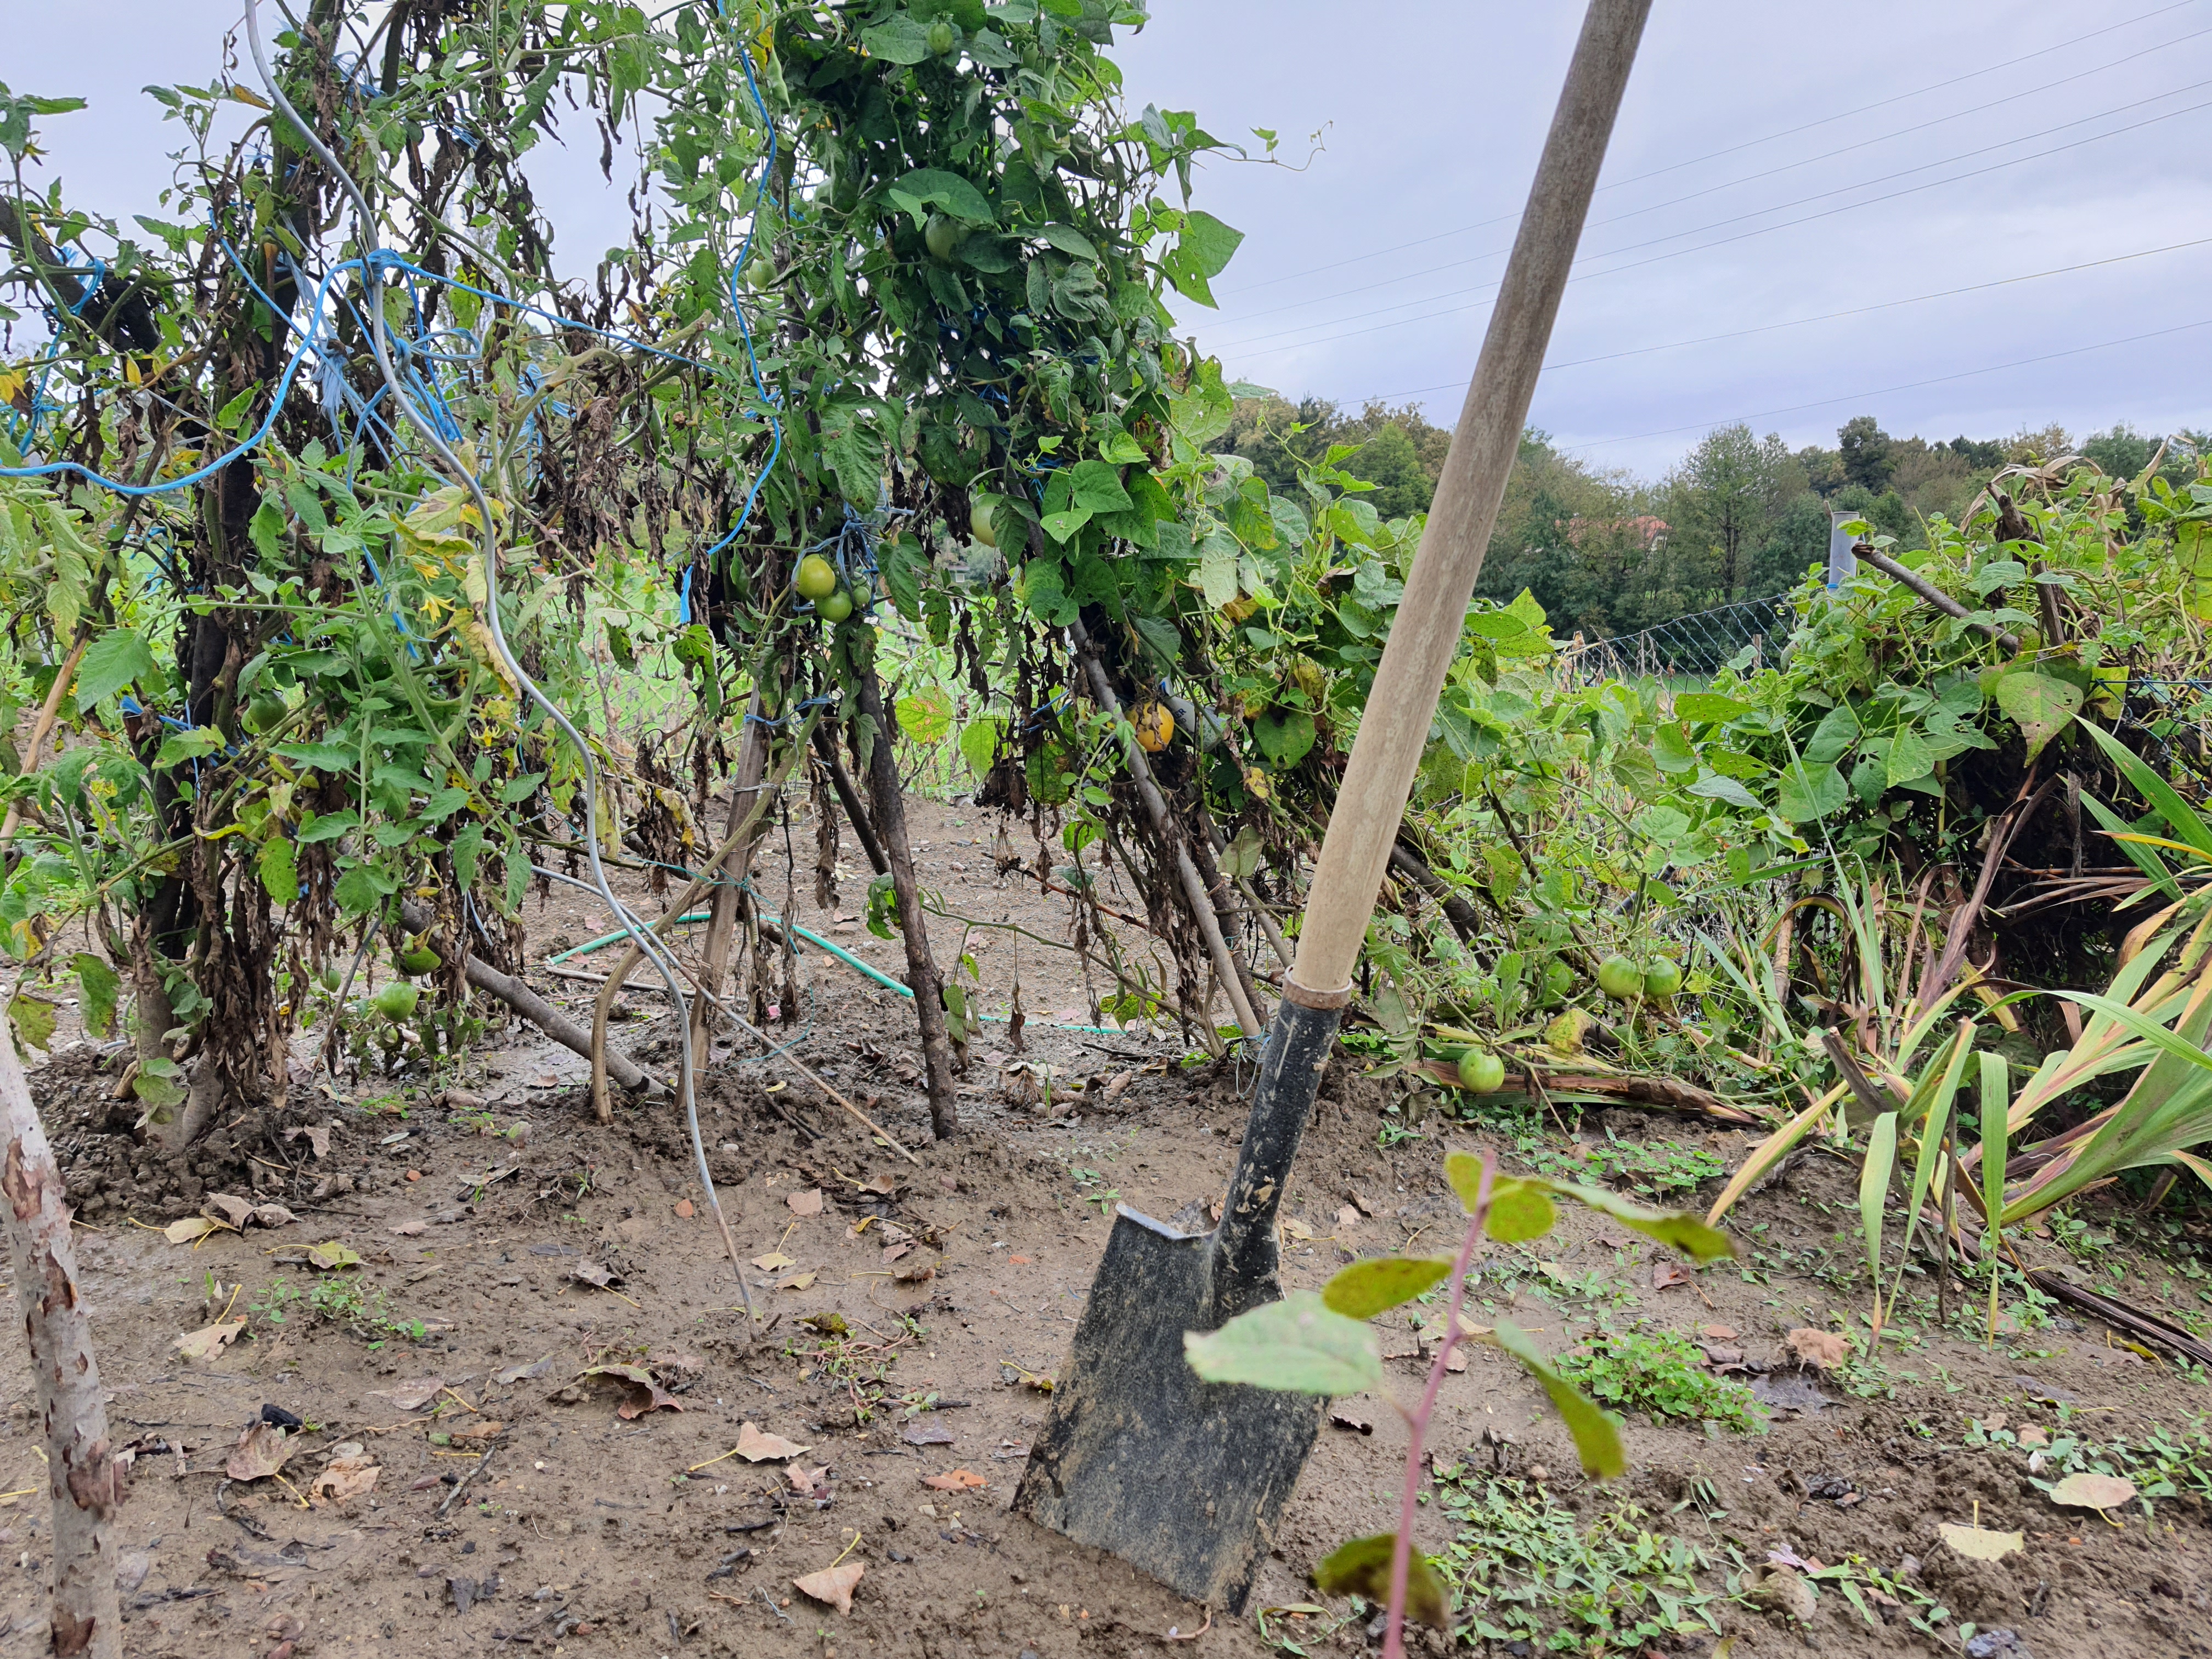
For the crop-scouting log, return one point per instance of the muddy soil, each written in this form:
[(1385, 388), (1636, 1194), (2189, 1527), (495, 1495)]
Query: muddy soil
[(912, 1311)]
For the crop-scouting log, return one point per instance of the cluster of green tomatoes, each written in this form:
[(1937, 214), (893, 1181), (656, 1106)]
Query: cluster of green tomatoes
[(818, 581)]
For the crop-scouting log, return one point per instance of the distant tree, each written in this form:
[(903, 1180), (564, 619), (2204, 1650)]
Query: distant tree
[(2038, 448), (1867, 451), (1981, 455), (1397, 448), (2122, 452), (1724, 498), (1796, 542), (1390, 460)]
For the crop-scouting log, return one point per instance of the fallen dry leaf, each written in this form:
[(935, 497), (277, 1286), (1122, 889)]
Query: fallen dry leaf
[(915, 1272), (525, 1373), (210, 1340), (345, 1477), (684, 1209), (833, 1585), (483, 1429), (1826, 1349), (755, 1446), (799, 1281), (774, 1261), (2092, 1491), (410, 1229), (318, 1136), (1668, 1274), (882, 1185), (1294, 1228), (232, 1210), (641, 1392), (595, 1274), (192, 1229), (955, 1480), (806, 1203), (1979, 1543), (272, 1215), (262, 1449), (893, 1252), (1717, 1332), (927, 1434), (1347, 1217), (805, 1480), (414, 1394), (330, 1255), (1346, 1421)]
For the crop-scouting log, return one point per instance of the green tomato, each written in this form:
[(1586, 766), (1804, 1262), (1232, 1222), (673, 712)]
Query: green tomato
[(835, 608), (1480, 1073), (331, 977), (942, 38), (264, 713), (420, 960), (1619, 978), (816, 578), (979, 520), (396, 1002), (1662, 978), (1559, 982), (941, 235)]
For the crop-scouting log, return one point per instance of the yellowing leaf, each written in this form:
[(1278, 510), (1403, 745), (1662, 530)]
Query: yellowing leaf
[(1596, 1432), (330, 1255), (1979, 1544), (1366, 1288), (2092, 1491), (1362, 1567), (192, 1229), (1519, 1210)]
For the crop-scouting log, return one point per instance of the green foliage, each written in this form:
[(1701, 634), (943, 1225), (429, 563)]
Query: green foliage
[(1380, 1283), (1661, 1374), (1362, 1567), (1297, 1345)]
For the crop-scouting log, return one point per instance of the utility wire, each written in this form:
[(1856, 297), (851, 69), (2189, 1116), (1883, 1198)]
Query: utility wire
[(1825, 317), (1792, 166), (1945, 85), (1883, 392), (1484, 295)]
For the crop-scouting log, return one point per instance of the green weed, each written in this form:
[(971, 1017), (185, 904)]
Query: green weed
[(1659, 1373)]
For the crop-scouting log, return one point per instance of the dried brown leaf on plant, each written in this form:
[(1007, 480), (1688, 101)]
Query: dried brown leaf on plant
[(832, 1585), (1826, 1349), (755, 1446), (262, 1450)]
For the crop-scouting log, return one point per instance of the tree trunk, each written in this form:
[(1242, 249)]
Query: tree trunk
[(84, 1481), (729, 893), (921, 970)]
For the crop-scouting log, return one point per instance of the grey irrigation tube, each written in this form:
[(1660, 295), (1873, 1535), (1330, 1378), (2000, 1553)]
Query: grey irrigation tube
[(372, 284), (843, 956)]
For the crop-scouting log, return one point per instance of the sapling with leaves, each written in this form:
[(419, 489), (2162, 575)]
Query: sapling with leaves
[(1320, 1342)]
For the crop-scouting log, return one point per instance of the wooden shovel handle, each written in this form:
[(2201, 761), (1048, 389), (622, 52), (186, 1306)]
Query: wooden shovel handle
[(1364, 824)]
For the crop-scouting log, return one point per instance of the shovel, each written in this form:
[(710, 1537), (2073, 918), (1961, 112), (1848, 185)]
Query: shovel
[(1186, 1479)]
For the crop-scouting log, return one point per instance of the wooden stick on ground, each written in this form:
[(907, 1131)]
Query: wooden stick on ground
[(527, 1003), (84, 1482), (1156, 807), (922, 978)]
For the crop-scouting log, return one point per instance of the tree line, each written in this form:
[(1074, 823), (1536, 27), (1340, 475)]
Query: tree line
[(1739, 516)]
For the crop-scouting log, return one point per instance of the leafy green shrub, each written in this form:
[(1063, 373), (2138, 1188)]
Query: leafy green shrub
[(1659, 1373)]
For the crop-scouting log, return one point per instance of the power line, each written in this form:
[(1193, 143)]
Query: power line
[(1488, 291), (1825, 317), (1884, 391), (1788, 167), (1749, 143)]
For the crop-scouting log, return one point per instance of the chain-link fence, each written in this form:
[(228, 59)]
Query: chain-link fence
[(1750, 634)]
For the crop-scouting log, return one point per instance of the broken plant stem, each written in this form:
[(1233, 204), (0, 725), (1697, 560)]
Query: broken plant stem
[(1402, 1555)]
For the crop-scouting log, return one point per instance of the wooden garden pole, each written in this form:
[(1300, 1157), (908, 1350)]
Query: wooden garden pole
[(1432, 618), (84, 1481)]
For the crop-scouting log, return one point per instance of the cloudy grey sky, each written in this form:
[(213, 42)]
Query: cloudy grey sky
[(1776, 165)]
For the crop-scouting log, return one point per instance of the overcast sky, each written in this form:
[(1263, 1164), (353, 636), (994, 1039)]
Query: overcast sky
[(1774, 164)]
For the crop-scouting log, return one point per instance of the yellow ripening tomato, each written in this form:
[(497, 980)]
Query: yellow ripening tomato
[(1155, 727)]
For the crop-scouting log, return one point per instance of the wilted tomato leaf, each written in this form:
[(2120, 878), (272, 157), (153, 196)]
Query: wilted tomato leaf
[(1362, 1567), (1366, 1288), (833, 1585), (1297, 1344)]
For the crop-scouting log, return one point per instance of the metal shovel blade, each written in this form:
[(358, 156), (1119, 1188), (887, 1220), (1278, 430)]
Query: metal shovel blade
[(1183, 1478)]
